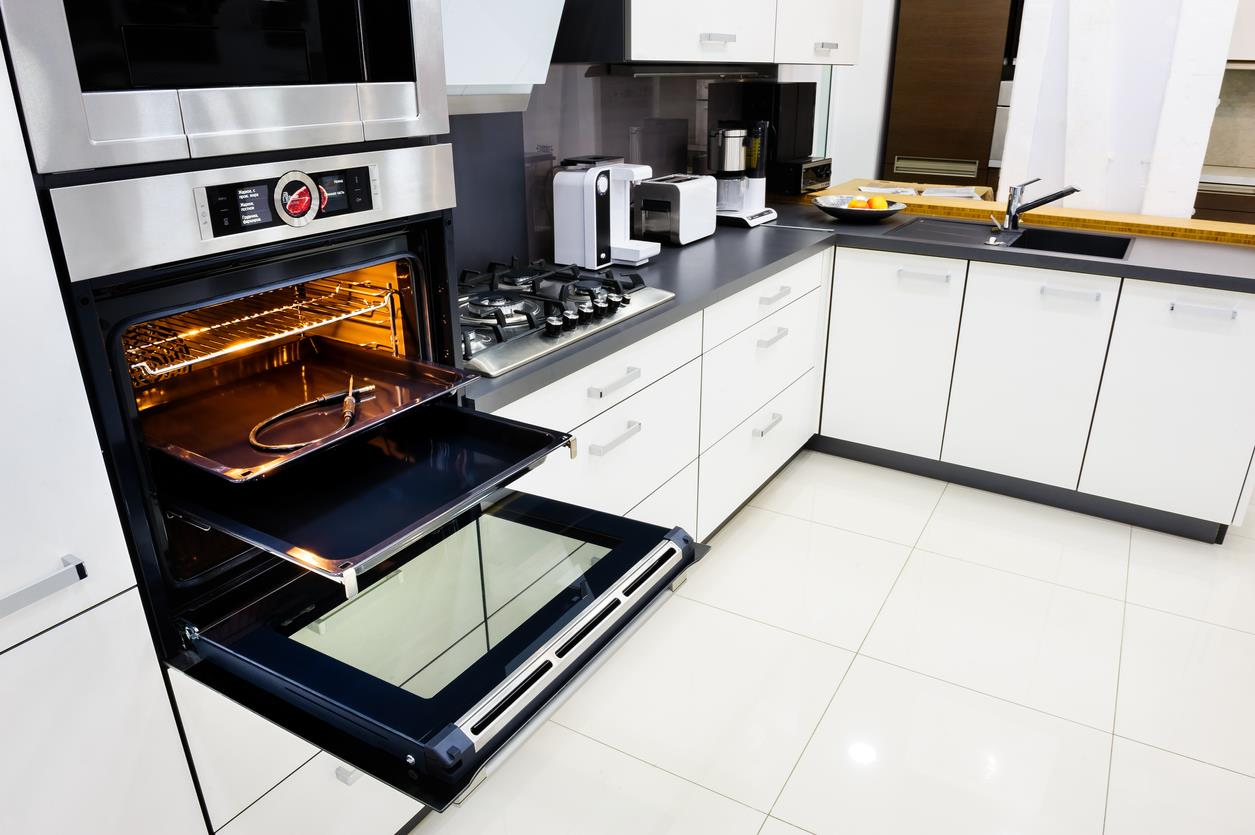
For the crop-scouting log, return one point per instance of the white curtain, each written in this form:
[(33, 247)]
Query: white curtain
[(1117, 98)]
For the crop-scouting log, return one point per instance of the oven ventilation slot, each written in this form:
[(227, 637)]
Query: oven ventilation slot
[(512, 697), (174, 343), (588, 627), (648, 572)]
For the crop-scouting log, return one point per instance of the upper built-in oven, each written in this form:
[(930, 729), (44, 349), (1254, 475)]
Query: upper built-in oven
[(113, 82)]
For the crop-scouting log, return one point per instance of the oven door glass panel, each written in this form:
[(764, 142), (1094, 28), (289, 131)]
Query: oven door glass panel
[(457, 640)]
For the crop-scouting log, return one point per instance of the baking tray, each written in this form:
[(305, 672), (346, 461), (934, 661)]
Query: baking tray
[(205, 418)]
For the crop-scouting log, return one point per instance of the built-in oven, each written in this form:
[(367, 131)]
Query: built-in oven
[(324, 529), (113, 82)]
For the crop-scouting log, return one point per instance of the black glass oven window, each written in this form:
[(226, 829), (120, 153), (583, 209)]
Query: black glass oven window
[(124, 45)]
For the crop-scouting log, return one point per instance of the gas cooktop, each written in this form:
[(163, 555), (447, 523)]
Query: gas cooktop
[(514, 313)]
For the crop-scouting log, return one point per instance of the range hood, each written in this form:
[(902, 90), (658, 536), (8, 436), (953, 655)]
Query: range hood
[(496, 50)]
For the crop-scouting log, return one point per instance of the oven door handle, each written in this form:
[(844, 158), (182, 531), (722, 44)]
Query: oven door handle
[(72, 570)]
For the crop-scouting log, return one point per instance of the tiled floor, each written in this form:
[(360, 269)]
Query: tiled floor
[(870, 652)]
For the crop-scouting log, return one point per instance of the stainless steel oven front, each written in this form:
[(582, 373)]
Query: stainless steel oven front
[(114, 82)]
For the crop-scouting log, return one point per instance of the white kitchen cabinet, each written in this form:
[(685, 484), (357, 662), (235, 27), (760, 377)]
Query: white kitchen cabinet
[(1026, 374), (739, 31), (89, 740), (674, 504), (1242, 47), (749, 369), (327, 797), (1175, 425), (733, 469), (818, 31), (628, 452), (583, 394), (55, 499), (894, 324), (238, 755), (725, 319)]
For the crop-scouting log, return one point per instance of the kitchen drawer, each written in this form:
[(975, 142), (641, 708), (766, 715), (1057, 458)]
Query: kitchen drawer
[(736, 313), (1175, 424), (628, 452), (1026, 374), (895, 321), (238, 755), (707, 31), (327, 797), (733, 469), (818, 31), (89, 741), (586, 393), (674, 504), (742, 374)]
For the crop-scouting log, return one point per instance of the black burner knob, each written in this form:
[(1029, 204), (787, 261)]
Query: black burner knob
[(600, 308), (569, 319), (585, 311), (553, 326), (625, 300), (614, 300)]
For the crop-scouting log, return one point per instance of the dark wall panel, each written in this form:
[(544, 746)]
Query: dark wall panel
[(490, 221)]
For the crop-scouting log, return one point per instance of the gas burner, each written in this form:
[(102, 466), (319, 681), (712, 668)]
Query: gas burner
[(588, 288), (476, 339), (504, 309)]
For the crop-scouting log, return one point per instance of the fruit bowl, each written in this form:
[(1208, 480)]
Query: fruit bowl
[(837, 206)]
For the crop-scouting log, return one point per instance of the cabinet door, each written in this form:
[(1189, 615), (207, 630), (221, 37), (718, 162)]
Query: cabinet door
[(1031, 351), (673, 505), (55, 498), (1175, 425), (90, 743), (703, 30), (818, 31), (895, 319), (1243, 45)]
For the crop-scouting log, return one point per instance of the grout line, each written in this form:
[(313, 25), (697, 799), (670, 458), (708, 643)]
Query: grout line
[(830, 526), (1247, 775), (655, 766), (742, 616), (1115, 708), (1002, 570), (1246, 632)]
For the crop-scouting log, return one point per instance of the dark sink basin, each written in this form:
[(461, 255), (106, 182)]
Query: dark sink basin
[(1073, 243)]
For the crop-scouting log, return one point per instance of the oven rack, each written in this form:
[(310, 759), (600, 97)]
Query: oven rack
[(174, 343)]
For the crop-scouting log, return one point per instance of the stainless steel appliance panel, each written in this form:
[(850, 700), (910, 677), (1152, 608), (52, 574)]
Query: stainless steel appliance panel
[(241, 120)]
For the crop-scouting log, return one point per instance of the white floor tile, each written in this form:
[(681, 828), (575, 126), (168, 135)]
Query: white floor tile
[(809, 578), (1034, 643), (561, 783), (851, 495), (904, 754), (1215, 583), (1188, 687), (772, 826), (1156, 793), (710, 696), (1030, 539)]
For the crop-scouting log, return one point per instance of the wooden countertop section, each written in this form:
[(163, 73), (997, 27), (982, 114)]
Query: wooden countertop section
[(1213, 231)]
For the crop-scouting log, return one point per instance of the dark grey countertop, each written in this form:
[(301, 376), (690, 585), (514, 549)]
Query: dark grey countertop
[(700, 274), (1155, 259)]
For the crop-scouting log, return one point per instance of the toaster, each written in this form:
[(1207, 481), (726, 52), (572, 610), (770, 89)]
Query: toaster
[(676, 209)]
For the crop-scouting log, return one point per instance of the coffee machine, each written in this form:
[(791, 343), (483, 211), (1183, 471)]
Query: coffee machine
[(592, 216), (737, 155)]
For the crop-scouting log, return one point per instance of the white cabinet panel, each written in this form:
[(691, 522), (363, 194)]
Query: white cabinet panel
[(1030, 356), (327, 797), (1175, 423), (674, 504), (628, 452), (498, 42), (818, 31), (703, 30), (738, 465), (742, 374), (725, 319), (89, 740), (239, 756), (1243, 44), (895, 320), (586, 393), (55, 498)]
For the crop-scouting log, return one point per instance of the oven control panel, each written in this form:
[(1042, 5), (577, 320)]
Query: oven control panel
[(294, 199)]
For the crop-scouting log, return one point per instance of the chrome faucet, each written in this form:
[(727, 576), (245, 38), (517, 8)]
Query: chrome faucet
[(1016, 205)]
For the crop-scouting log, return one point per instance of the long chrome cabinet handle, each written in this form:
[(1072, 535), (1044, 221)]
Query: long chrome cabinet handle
[(597, 392), (1069, 293), (717, 37), (633, 428), (781, 333), (826, 46), (916, 274), (780, 294), (71, 571), (761, 432), (1204, 310)]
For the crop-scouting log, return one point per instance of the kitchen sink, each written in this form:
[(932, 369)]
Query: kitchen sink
[(1073, 243)]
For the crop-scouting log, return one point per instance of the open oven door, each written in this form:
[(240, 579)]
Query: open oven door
[(462, 606)]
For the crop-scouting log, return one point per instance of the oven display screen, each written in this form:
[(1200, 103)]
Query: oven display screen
[(246, 207)]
